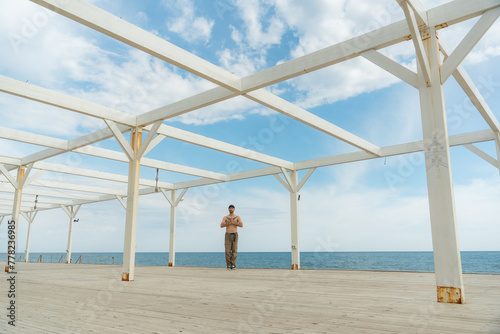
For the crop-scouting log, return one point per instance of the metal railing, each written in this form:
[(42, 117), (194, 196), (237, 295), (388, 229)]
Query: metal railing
[(58, 258)]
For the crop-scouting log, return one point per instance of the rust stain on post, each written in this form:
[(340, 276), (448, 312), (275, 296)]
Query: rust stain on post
[(125, 277), (448, 294), (6, 269), (170, 264)]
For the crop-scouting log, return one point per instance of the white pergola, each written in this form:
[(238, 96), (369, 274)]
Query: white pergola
[(436, 63)]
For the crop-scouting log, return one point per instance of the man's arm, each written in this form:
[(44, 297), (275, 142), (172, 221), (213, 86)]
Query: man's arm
[(223, 223), (239, 222)]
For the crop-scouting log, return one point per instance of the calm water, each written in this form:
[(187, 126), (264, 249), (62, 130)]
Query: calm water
[(472, 262)]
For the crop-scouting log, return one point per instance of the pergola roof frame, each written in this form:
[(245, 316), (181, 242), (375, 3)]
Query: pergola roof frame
[(417, 24)]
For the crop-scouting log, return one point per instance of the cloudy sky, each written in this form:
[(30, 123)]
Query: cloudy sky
[(378, 205)]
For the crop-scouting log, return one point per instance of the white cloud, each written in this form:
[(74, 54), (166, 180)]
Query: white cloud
[(188, 25)]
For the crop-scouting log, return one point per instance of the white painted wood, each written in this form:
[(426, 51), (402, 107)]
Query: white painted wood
[(41, 155), (8, 176), (35, 176), (132, 207), (149, 138), (305, 178), (283, 182), (167, 196), (77, 187), (121, 139), (458, 11), (156, 140), (53, 98), (417, 41), (282, 106), (497, 145), (122, 202), (32, 138), (50, 193), (108, 24), (464, 80), (419, 10), (10, 161), (183, 106), (288, 179), (173, 217), (181, 196), (30, 217), (27, 172), (16, 207), (218, 145), (446, 249), (294, 216), (467, 44), (391, 66), (483, 155), (30, 200), (447, 14), (188, 299)]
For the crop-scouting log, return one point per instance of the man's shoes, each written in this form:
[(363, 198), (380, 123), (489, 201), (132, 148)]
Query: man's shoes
[(228, 267), (233, 267)]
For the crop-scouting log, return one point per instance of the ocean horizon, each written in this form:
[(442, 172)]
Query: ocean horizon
[(486, 262)]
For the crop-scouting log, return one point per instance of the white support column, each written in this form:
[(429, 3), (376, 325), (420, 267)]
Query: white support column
[(30, 217), (497, 144), (16, 207), (132, 206), (71, 212), (447, 262), (174, 201), (292, 184), (294, 216)]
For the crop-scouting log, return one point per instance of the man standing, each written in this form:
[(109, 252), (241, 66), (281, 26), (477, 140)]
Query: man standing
[(231, 222)]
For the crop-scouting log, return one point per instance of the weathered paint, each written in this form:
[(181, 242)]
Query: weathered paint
[(448, 294), (170, 264), (125, 277)]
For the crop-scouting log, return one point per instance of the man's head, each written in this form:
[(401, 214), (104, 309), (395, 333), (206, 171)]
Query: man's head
[(231, 208)]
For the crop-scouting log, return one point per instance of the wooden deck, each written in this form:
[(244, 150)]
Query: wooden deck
[(79, 298)]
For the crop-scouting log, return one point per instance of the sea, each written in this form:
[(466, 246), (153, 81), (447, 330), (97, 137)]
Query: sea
[(472, 261)]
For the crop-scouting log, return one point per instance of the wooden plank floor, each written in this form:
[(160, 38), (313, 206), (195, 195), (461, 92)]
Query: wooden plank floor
[(79, 298)]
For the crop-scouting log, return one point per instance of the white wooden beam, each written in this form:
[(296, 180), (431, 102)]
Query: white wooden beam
[(458, 11), (218, 145), (419, 10), (483, 155), (283, 182), (468, 86), (127, 149), (183, 106), (121, 30), (9, 177), (468, 43), (305, 178), (77, 187), (497, 145), (30, 200), (145, 146), (16, 162), (122, 202), (445, 15), (280, 105), (53, 98), (391, 66), (32, 138), (34, 177), (49, 193), (417, 41)]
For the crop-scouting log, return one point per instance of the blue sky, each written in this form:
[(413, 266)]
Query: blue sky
[(366, 206)]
